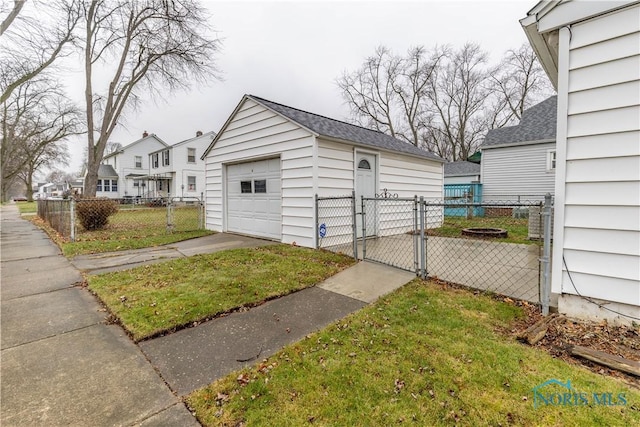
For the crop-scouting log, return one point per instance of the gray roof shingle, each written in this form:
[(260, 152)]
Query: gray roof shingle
[(332, 128), (461, 168), (538, 123), (107, 171)]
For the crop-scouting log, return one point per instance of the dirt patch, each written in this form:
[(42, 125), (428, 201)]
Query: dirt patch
[(623, 341)]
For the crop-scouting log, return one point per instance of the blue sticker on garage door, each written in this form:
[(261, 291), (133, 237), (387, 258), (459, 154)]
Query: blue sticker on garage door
[(322, 230)]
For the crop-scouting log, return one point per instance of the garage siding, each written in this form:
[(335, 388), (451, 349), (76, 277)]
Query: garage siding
[(256, 133), (409, 176)]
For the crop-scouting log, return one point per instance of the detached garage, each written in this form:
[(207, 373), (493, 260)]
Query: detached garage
[(267, 163)]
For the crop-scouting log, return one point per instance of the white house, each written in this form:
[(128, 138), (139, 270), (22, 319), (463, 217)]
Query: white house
[(178, 170), (461, 172), (591, 52), (128, 167), (520, 161), (268, 162)]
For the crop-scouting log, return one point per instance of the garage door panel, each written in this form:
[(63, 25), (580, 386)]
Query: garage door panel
[(258, 214)]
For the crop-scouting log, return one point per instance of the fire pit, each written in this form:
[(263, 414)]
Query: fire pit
[(485, 232)]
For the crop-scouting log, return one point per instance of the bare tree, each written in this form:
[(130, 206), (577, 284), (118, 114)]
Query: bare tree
[(35, 120), (387, 93), (43, 156), (33, 38), (146, 46), (457, 96), (11, 16), (518, 82)]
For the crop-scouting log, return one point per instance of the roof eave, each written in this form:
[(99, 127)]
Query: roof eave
[(375, 147), (547, 55)]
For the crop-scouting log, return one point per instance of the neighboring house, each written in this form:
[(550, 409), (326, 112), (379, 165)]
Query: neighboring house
[(591, 52), (268, 162), (131, 166), (520, 161), (51, 189), (461, 172), (178, 170)]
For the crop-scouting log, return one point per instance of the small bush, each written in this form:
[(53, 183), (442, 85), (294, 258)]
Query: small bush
[(94, 213)]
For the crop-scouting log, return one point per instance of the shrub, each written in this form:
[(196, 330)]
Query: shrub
[(94, 213)]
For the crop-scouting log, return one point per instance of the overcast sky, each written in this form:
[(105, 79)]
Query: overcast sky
[(291, 52)]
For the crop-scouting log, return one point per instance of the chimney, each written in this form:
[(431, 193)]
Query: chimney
[(198, 133), (145, 134)]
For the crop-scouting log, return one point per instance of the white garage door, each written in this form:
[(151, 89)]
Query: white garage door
[(254, 203)]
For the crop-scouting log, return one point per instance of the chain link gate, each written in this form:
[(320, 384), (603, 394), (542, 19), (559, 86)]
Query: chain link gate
[(498, 246)]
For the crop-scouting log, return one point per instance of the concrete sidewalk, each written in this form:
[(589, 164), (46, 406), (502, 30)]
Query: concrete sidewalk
[(61, 363)]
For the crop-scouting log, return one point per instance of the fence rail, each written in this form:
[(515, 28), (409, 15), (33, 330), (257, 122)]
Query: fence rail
[(501, 246), (83, 218)]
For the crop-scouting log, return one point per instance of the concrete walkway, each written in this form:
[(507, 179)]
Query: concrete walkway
[(116, 261), (63, 365)]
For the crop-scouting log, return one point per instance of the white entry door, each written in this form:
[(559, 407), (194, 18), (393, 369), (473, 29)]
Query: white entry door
[(254, 203), (366, 177)]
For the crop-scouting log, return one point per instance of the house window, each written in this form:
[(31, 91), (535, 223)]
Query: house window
[(245, 187), (154, 160), (136, 183), (364, 164), (114, 185), (551, 160), (99, 186), (260, 185), (138, 161), (191, 155), (165, 158), (191, 183)]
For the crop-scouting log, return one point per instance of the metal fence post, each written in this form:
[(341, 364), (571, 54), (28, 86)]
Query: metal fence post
[(72, 218), (355, 224), (169, 219), (364, 230), (317, 218), (423, 241), (416, 238), (546, 255)]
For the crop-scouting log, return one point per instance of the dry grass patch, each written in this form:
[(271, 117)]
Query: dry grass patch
[(423, 355)]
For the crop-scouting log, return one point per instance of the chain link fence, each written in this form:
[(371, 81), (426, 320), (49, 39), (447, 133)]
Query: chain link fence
[(86, 219), (336, 217), (497, 246), (485, 246)]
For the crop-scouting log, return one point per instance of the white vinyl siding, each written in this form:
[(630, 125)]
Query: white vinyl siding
[(517, 171), (600, 239), (255, 132), (409, 176)]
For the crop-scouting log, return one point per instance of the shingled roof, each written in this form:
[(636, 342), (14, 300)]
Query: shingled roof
[(461, 168), (538, 123), (332, 128)]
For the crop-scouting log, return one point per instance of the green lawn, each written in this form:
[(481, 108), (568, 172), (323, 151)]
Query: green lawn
[(517, 228), (27, 207), (136, 228), (421, 356), (161, 297)]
